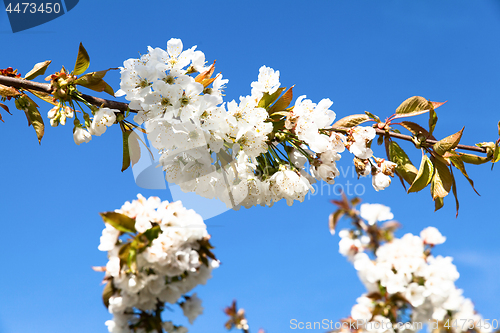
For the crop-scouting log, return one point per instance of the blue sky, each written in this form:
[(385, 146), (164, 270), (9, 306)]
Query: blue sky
[(280, 263)]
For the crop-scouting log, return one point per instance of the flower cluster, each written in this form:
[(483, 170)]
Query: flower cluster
[(256, 151), (158, 252), (404, 281)]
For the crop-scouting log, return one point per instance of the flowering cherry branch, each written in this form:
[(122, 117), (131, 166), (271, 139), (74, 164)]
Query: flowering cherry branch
[(253, 152), (124, 107)]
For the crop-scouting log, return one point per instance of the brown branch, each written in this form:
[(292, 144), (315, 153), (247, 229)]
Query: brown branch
[(45, 87), (429, 141)]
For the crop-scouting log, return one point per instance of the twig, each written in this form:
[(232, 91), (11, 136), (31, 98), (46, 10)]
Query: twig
[(410, 138), (45, 87)]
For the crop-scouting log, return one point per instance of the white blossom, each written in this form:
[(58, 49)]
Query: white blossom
[(432, 236), (374, 213), (81, 135)]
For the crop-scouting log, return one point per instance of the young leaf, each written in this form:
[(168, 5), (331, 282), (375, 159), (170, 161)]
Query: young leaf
[(95, 82), (352, 120), (204, 78), (267, 99), (433, 118), (404, 168), (457, 161), (119, 221), (474, 159), (413, 106), (152, 233), (131, 148), (6, 109), (416, 129), (8, 91), (132, 259), (455, 194), (43, 96), (38, 69), (380, 140), (438, 204), (283, 102), (108, 291), (126, 149), (134, 147), (437, 104), (442, 179), (496, 154), (334, 219), (123, 254), (279, 113), (35, 119), (448, 143), (372, 116), (82, 61), (424, 175)]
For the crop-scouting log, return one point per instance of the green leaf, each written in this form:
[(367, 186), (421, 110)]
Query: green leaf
[(267, 99), (43, 96), (438, 204), (496, 154), (279, 113), (433, 118), (413, 106), (474, 159), (352, 120), (424, 175), (124, 253), (455, 194), (82, 61), (35, 119), (283, 102), (6, 108), (372, 116), (355, 201), (416, 129), (441, 181), (95, 82), (152, 233), (108, 291), (405, 168), (119, 221), (8, 91), (456, 160), (131, 147), (380, 140), (38, 69), (334, 219), (448, 143), (132, 259)]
